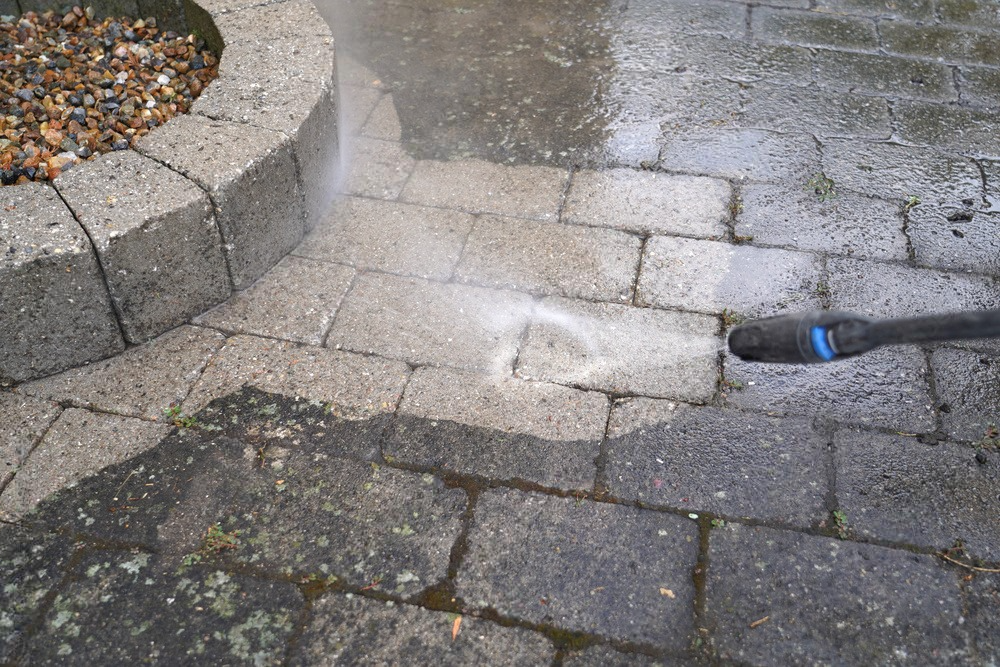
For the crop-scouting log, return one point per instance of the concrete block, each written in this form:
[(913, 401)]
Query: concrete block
[(814, 29), (948, 128), (914, 10), (712, 276), (979, 85), (357, 104), (55, 311), (621, 349), (955, 239), (249, 174), (9, 8), (940, 43), (376, 168), (389, 237), (383, 122), (499, 428), (648, 202), (594, 567), (23, 422), (551, 258), (754, 155), (739, 61), (155, 237), (968, 387), (655, 21), (811, 111), (889, 76), (984, 592)]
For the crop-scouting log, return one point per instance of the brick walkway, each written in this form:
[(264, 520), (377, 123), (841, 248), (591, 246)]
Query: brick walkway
[(485, 415)]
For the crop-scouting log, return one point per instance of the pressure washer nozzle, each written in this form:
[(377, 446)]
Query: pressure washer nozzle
[(804, 338)]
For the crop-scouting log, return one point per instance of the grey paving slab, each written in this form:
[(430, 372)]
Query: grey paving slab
[(125, 605), (142, 382), (897, 172), (991, 174), (756, 155), (390, 237), (831, 601), (477, 186), (887, 387), (499, 428), (967, 387), (358, 102), (77, 444), (296, 300), (916, 10), (941, 43), (551, 258), (376, 168), (155, 237), (712, 276), (888, 76), (55, 310), (897, 489), (890, 290), (654, 21), (352, 630), (815, 29), (356, 387), (622, 349), (23, 422), (955, 239), (648, 202), (979, 85), (962, 130), (383, 122), (978, 13), (582, 566), (738, 61), (605, 656), (721, 461), (32, 563), (792, 216), (424, 322), (813, 111), (249, 173), (984, 596)]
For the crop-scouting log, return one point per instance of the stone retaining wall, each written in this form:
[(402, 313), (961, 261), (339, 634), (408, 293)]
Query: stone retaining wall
[(133, 243)]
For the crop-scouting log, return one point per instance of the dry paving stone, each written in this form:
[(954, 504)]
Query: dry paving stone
[(23, 422), (123, 606), (390, 237), (423, 322), (356, 387), (483, 187), (756, 155), (814, 29), (886, 76), (648, 202), (897, 489), (811, 111), (383, 122), (846, 224), (142, 381), (499, 428), (608, 570), (889, 290), (948, 128), (359, 102), (984, 600), (896, 172), (712, 276), (968, 386), (376, 168), (955, 239), (886, 388), (155, 237), (249, 173), (349, 629), (605, 656), (781, 598), (77, 444), (55, 311), (296, 300), (622, 349), (720, 461), (551, 258)]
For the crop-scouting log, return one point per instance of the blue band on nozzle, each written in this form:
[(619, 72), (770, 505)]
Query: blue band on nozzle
[(821, 346)]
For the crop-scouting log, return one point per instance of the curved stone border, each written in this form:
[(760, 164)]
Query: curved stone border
[(122, 248)]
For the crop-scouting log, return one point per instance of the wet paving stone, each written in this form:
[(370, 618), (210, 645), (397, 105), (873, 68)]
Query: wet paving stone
[(884, 75), (897, 489), (383, 121), (962, 130), (755, 155), (955, 239), (741, 62), (677, 98), (888, 290), (844, 224), (896, 173), (720, 461), (499, 428), (984, 600), (123, 607), (648, 202), (711, 276), (811, 111), (551, 258), (380, 169), (390, 237), (354, 630), (160, 374), (814, 29), (941, 43), (582, 566), (979, 86), (652, 20), (915, 10), (605, 656), (621, 349), (779, 598), (23, 422), (886, 387), (968, 387)]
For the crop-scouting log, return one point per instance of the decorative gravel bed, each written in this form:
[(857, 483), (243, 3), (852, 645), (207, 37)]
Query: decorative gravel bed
[(72, 86)]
